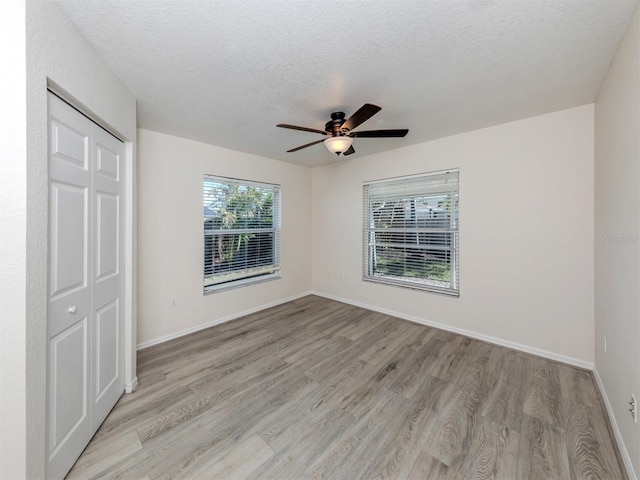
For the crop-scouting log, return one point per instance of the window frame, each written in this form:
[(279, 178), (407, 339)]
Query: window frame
[(251, 276), (449, 236)]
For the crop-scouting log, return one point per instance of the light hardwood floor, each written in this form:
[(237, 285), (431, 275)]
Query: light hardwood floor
[(319, 389)]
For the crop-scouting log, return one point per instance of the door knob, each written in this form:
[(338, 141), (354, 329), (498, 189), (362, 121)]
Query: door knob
[(73, 309)]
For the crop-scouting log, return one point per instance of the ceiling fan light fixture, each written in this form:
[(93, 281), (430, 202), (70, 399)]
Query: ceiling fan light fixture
[(339, 132), (338, 144)]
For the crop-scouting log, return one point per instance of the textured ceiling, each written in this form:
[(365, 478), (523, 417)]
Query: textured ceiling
[(225, 72)]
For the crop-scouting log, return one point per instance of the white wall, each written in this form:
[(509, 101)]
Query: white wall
[(44, 45), (13, 208), (617, 238), (170, 240), (526, 232)]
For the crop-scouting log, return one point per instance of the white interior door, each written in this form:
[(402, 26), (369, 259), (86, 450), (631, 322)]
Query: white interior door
[(84, 327), (70, 253), (108, 239)]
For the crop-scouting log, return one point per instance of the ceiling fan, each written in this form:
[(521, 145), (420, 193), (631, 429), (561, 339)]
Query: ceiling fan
[(340, 131)]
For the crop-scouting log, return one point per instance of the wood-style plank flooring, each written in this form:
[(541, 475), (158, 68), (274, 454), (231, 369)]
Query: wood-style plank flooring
[(318, 389)]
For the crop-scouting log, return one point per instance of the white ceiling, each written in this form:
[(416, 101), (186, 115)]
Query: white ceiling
[(225, 72)]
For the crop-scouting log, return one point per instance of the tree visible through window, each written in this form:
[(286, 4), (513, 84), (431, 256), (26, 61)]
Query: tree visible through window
[(241, 232), (411, 232)]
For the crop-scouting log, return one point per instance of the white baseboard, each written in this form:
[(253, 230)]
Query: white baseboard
[(468, 333), (217, 321), (131, 387), (614, 425)]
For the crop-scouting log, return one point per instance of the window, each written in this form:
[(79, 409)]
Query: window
[(411, 232), (241, 232)]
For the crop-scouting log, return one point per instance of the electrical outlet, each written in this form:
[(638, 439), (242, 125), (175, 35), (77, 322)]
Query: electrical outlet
[(604, 343), (633, 408), (173, 303)]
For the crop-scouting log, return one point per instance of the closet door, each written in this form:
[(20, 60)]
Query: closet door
[(84, 324), (108, 336), (69, 314)]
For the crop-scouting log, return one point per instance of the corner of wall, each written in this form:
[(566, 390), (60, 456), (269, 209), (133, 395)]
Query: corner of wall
[(617, 229), (624, 453)]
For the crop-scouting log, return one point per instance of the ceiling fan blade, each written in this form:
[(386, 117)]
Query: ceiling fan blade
[(304, 146), (304, 129), (362, 115), (349, 151), (380, 133)]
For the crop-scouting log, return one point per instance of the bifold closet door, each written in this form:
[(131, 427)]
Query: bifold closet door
[(108, 238), (84, 325)]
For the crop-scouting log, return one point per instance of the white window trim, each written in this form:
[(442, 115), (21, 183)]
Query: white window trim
[(369, 235), (251, 276)]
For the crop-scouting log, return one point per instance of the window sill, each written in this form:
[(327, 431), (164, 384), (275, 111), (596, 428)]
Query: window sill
[(413, 286), (245, 282)]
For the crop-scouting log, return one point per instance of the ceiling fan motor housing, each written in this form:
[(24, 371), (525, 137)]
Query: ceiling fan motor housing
[(333, 126)]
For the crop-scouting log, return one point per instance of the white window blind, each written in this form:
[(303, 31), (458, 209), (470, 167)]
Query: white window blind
[(241, 232), (411, 227)]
